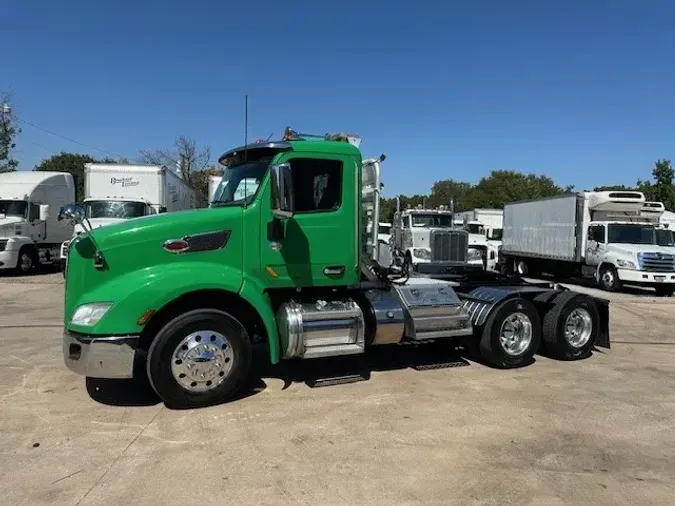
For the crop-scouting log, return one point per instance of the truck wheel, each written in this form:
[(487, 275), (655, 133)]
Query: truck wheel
[(511, 334), (27, 261), (665, 290), (571, 327), (608, 279), (199, 358), (522, 268)]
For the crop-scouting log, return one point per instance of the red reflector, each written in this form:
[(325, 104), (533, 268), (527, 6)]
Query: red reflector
[(176, 246)]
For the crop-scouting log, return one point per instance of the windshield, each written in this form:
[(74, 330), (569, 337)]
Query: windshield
[(384, 229), (13, 208), (665, 237), (240, 183), (630, 234), (431, 220), (474, 228), (114, 209)]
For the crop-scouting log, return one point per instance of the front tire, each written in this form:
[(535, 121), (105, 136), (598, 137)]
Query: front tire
[(199, 358), (571, 326), (608, 279), (511, 334), (27, 260)]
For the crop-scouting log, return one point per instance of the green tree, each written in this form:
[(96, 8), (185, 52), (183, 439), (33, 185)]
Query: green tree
[(72, 163), (8, 132), (504, 186), (443, 192), (613, 188), (661, 189)]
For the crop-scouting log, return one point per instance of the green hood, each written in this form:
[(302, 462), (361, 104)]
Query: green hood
[(134, 254)]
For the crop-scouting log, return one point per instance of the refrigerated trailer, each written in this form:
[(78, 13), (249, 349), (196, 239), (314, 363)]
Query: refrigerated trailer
[(601, 235), (292, 262)]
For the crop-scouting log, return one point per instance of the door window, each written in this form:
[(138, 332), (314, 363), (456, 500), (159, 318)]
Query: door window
[(317, 184), (33, 213)]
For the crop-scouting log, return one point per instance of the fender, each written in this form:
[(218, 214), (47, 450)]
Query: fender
[(152, 288), (156, 286)]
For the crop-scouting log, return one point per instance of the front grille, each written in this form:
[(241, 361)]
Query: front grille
[(656, 262), (3, 244), (449, 245)]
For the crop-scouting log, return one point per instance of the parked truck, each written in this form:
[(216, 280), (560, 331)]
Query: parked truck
[(491, 221), (30, 234), (117, 192), (600, 235), (288, 262)]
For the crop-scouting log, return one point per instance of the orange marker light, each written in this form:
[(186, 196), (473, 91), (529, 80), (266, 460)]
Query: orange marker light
[(145, 317), (271, 272)]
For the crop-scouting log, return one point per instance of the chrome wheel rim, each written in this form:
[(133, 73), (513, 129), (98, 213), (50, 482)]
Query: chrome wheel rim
[(608, 278), (202, 361), (578, 327), (515, 334)]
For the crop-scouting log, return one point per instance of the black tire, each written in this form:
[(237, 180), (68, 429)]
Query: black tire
[(555, 322), (490, 345), (608, 278), (665, 290), (160, 358), (27, 261)]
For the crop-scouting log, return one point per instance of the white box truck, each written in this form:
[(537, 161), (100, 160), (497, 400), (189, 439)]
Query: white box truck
[(601, 235), (117, 192), (29, 230)]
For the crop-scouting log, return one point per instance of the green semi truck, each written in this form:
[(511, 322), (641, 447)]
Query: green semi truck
[(284, 255)]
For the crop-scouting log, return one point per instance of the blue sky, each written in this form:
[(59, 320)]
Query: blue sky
[(579, 90)]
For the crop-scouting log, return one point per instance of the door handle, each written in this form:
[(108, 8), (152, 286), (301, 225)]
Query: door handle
[(334, 270)]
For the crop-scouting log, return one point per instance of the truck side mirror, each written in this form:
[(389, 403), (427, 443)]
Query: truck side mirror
[(162, 209), (283, 199), (73, 213), (44, 212)]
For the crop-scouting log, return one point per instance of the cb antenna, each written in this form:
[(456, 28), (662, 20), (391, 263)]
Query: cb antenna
[(245, 128)]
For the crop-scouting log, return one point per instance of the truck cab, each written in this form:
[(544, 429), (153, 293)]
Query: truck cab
[(624, 242), (29, 234), (426, 240)]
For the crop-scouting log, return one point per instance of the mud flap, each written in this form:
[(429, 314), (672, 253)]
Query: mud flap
[(603, 335)]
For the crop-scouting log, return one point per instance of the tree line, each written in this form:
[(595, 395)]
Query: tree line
[(195, 166)]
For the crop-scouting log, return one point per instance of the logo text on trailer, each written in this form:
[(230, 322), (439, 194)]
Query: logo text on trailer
[(124, 181)]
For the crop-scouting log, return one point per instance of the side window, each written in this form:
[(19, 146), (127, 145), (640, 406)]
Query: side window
[(599, 234), (33, 213), (317, 184)]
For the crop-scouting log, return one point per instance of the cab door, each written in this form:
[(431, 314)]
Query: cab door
[(320, 245), (595, 244)]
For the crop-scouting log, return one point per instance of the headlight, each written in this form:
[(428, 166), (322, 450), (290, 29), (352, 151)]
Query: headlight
[(90, 314), (422, 253), (626, 264), (474, 254)]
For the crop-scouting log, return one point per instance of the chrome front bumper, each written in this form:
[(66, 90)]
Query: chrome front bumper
[(100, 357)]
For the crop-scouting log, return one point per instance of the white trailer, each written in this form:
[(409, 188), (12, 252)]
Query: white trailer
[(118, 192), (29, 230), (602, 235)]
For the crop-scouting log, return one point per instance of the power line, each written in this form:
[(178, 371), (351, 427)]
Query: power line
[(68, 138)]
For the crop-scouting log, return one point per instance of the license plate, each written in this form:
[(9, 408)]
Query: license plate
[(659, 278)]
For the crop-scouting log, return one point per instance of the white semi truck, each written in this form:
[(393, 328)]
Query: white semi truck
[(600, 235), (29, 230), (427, 241), (117, 192)]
